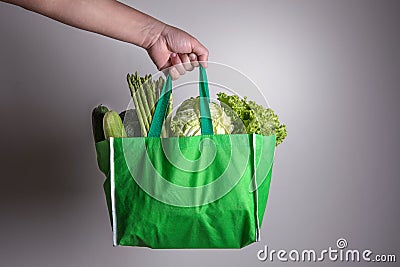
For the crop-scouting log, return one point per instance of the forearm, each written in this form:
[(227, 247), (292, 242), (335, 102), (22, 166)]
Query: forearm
[(107, 17)]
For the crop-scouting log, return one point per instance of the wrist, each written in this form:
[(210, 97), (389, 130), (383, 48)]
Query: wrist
[(153, 32)]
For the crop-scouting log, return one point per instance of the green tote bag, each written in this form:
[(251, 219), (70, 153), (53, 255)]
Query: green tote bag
[(206, 191)]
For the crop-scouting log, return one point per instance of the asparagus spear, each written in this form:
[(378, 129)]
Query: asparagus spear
[(149, 90), (138, 108), (145, 105), (154, 91)]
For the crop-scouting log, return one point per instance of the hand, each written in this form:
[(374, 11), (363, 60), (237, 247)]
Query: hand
[(178, 49)]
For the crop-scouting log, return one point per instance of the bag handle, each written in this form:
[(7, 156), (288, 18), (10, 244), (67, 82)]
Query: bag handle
[(163, 102)]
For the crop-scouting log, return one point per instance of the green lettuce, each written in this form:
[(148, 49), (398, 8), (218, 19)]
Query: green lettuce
[(249, 117)]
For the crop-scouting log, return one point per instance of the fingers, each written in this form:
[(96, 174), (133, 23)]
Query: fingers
[(201, 52), (186, 62), (174, 73), (177, 68), (180, 63), (183, 62), (177, 62), (193, 60)]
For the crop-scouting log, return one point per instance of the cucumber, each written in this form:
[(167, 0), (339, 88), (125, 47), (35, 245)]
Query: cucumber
[(112, 125), (97, 122)]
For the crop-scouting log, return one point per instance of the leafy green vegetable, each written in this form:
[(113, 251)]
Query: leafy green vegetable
[(249, 117), (186, 121)]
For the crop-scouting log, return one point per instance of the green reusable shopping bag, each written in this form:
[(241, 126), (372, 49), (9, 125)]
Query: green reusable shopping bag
[(207, 191)]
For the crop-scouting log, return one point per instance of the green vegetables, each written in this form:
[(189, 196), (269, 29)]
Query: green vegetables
[(136, 122), (249, 117), (145, 93), (186, 122), (97, 122), (112, 125), (232, 115)]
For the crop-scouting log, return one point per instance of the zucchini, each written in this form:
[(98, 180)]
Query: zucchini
[(112, 125), (97, 122)]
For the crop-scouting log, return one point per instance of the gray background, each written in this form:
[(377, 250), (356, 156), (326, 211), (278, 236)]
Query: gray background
[(330, 69)]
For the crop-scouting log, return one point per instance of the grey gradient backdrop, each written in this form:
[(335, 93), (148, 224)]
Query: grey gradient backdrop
[(330, 68)]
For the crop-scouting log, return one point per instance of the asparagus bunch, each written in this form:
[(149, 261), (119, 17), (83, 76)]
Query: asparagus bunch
[(145, 93)]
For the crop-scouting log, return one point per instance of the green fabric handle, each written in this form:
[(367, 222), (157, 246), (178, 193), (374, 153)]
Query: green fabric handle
[(163, 102), (205, 115)]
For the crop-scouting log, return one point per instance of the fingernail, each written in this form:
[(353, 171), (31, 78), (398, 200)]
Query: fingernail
[(173, 55)]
